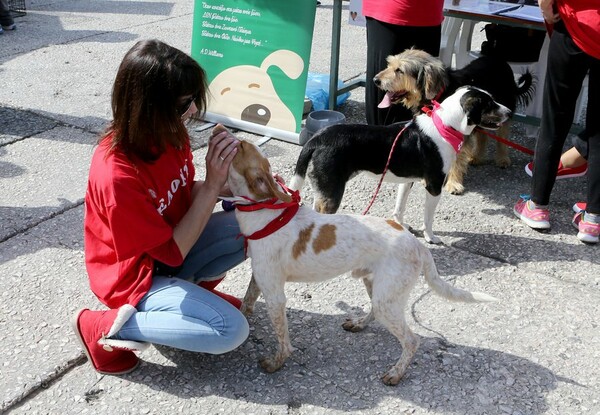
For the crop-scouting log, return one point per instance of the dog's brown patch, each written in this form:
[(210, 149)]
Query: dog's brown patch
[(325, 239), (302, 242), (395, 224)]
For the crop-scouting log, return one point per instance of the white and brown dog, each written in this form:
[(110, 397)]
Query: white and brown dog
[(413, 78), (288, 242), (424, 150)]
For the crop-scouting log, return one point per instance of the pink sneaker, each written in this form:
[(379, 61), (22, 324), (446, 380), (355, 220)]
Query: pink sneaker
[(588, 232), (562, 172), (534, 218)]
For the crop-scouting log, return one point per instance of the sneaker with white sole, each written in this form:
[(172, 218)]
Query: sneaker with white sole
[(589, 232), (579, 206), (535, 218), (9, 26)]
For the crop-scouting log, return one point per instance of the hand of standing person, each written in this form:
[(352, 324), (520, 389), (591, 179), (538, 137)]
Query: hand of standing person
[(548, 12)]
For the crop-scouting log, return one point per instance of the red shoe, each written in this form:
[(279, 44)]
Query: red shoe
[(210, 286), (562, 172), (108, 356)]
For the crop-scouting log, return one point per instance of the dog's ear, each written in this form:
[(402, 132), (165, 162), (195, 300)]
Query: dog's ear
[(263, 186), (434, 79)]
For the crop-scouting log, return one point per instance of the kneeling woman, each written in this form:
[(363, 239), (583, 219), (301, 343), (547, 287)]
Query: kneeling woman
[(154, 250)]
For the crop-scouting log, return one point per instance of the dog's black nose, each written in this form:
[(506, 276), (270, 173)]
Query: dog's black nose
[(377, 81), (256, 113)]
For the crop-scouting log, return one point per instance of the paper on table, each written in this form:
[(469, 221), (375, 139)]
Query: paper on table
[(478, 6), (532, 13)]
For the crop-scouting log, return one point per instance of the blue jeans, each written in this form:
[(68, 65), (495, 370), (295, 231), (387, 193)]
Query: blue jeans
[(178, 313)]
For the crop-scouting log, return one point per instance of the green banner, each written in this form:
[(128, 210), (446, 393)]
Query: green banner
[(256, 55)]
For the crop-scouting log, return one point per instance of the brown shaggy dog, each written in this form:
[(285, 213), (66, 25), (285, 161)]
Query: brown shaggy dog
[(413, 78)]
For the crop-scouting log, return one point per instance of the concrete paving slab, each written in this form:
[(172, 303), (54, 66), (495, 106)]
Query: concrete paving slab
[(513, 356), (18, 125), (43, 176), (43, 281), (535, 351)]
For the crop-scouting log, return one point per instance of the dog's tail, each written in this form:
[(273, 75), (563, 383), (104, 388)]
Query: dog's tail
[(525, 88), (446, 290), (302, 166)]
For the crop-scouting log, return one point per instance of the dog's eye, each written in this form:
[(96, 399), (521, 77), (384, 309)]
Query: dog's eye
[(399, 71)]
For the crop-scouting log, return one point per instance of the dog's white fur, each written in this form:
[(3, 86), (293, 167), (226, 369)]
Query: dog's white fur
[(452, 115), (314, 247)]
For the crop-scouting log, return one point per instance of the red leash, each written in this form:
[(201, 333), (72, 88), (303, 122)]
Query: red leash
[(507, 142), (289, 211), (386, 168)]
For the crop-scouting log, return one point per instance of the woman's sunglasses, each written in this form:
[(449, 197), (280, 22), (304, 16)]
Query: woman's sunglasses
[(186, 105)]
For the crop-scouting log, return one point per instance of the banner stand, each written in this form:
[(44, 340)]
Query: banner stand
[(253, 128), (256, 57)]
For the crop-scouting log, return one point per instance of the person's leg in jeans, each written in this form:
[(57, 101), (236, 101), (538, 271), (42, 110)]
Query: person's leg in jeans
[(182, 315), (177, 312), (219, 248), (566, 69), (383, 40)]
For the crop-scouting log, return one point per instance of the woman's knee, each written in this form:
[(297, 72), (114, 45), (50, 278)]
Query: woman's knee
[(231, 335), (236, 335)]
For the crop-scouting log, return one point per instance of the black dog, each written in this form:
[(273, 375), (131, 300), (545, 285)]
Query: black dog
[(425, 151)]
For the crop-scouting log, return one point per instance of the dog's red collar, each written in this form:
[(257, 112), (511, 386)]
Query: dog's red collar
[(289, 211), (453, 137)]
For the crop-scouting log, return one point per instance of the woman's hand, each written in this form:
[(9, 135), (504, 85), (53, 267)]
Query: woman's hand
[(547, 9), (222, 148)]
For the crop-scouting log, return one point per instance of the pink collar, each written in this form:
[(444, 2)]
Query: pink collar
[(453, 137)]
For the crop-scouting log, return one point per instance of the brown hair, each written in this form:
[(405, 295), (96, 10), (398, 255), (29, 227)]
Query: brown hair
[(150, 82)]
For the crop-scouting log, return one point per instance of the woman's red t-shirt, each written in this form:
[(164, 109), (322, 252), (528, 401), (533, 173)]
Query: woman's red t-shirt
[(131, 209)]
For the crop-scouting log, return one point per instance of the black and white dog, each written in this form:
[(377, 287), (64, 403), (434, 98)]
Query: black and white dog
[(425, 150)]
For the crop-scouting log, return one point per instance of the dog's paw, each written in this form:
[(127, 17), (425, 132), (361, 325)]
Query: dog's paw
[(503, 162), (392, 377), (454, 188), (270, 364), (476, 161), (353, 325), (431, 238)]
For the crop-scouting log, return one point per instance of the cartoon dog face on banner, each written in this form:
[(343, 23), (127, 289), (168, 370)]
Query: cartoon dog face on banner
[(247, 93)]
